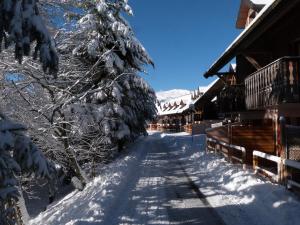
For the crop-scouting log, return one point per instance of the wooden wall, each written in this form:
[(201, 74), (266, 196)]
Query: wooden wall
[(219, 133), (253, 137), (260, 138)]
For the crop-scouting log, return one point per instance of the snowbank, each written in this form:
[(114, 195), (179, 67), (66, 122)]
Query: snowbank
[(90, 205), (238, 195)]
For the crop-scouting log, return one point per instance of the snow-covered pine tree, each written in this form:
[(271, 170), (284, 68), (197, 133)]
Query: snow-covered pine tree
[(124, 102), (98, 94), (21, 24), (113, 102), (98, 102), (113, 116)]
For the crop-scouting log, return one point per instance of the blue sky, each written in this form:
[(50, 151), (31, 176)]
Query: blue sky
[(184, 37)]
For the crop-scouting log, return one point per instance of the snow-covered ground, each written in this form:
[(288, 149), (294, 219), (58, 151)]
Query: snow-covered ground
[(92, 203), (239, 196), (154, 183)]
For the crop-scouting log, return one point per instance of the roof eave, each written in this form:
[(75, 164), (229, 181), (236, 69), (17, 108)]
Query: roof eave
[(232, 49)]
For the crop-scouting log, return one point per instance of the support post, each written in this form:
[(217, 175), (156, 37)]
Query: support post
[(284, 148), (244, 158), (255, 162), (283, 136)]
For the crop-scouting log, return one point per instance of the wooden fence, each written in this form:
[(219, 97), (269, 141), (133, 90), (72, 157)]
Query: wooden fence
[(271, 166), (274, 172), (284, 168), (232, 153), (239, 143), (290, 141), (249, 136)]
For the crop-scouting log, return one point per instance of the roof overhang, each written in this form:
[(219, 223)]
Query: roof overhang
[(210, 93), (265, 19)]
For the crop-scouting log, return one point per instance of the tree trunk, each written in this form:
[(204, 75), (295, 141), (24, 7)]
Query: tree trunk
[(72, 157), (23, 216)]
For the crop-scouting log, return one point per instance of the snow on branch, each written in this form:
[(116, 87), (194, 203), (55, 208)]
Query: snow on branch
[(21, 24), (103, 28), (17, 155)]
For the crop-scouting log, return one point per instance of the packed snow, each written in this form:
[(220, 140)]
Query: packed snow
[(137, 189)]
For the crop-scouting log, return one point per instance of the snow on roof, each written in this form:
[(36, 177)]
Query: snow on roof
[(187, 100), (171, 108), (261, 2)]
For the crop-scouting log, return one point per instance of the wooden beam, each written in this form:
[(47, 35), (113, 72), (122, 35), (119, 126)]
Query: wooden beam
[(222, 78), (225, 73), (253, 62)]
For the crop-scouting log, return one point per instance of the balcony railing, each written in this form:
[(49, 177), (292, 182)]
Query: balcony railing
[(275, 84)]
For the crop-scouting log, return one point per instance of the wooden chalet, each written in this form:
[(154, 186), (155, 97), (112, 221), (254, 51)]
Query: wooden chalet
[(176, 115), (262, 100), (193, 114)]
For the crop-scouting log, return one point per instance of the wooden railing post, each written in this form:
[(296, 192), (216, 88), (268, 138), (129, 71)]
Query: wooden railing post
[(283, 140), (207, 146), (283, 136), (244, 157), (255, 162), (281, 172), (229, 153), (274, 176)]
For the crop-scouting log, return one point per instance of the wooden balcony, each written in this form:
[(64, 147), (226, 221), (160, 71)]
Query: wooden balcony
[(275, 84)]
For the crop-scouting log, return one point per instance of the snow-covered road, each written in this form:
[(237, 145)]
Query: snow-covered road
[(158, 181), (158, 191), (153, 189)]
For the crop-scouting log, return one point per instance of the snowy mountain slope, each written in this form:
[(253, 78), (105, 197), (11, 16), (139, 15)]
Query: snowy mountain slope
[(166, 96), (170, 100), (177, 94)]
